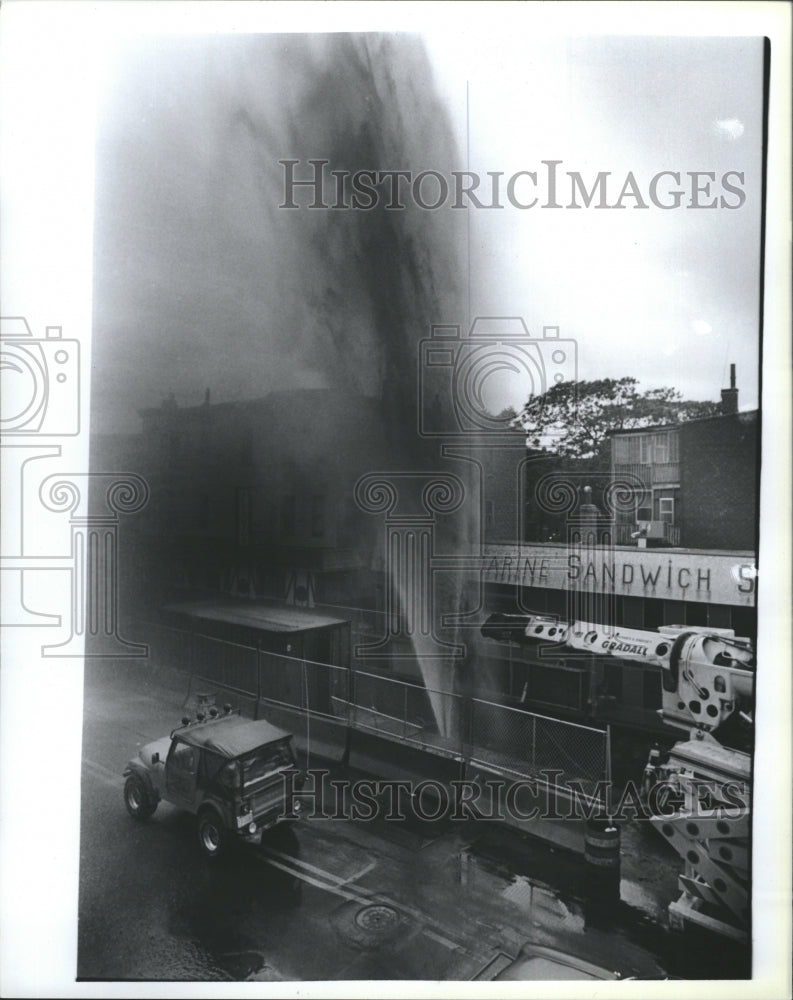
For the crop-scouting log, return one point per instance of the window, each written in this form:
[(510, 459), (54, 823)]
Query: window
[(183, 757), (655, 449), (557, 603), (531, 599), (696, 613), (633, 611), (612, 680), (653, 612), (644, 510), (317, 516), (744, 621), (674, 612), (651, 689), (626, 449), (720, 615), (621, 452), (660, 448), (666, 509), (265, 761)]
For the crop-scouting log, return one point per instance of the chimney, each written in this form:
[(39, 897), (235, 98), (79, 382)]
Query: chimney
[(729, 397), (206, 397)]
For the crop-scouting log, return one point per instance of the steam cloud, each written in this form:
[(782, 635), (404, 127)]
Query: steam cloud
[(201, 280)]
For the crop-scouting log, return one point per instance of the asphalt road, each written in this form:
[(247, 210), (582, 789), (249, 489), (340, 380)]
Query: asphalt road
[(320, 899)]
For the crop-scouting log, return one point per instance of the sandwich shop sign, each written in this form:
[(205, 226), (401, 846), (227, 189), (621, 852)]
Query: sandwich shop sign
[(668, 574)]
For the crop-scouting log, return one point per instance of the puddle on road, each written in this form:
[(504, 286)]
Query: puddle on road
[(539, 903), (638, 897), (559, 899)]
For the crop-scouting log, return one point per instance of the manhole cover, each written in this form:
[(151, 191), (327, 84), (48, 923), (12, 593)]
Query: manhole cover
[(377, 918), (374, 925)]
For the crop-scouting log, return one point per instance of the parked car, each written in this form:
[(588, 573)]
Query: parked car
[(232, 773), (537, 963)]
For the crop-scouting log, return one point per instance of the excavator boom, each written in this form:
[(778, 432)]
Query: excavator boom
[(707, 678)]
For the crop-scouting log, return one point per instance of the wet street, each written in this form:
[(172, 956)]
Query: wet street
[(326, 899)]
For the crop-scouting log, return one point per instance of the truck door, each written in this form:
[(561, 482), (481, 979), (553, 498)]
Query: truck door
[(180, 774)]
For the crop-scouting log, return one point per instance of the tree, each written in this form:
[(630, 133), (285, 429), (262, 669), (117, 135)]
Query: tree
[(573, 419)]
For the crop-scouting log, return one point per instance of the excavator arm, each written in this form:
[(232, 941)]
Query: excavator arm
[(704, 812), (707, 674)]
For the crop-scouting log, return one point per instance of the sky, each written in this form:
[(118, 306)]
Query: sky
[(669, 297), (200, 281)]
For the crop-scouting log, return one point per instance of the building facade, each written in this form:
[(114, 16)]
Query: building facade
[(255, 500), (664, 535)]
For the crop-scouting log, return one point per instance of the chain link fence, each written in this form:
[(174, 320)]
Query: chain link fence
[(321, 689), (499, 737), (168, 647), (228, 664), (535, 745), (412, 713)]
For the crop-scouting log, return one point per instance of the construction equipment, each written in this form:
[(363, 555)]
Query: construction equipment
[(698, 794)]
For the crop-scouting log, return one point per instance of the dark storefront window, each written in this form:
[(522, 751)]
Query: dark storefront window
[(744, 621), (612, 680), (674, 613), (720, 615), (653, 612), (633, 612), (651, 689), (697, 614)]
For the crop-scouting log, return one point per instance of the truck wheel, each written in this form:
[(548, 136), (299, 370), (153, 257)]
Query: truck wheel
[(137, 798), (211, 833)]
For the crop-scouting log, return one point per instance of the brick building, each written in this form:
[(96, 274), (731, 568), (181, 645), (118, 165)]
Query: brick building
[(719, 460), (255, 498), (696, 483), (675, 544)]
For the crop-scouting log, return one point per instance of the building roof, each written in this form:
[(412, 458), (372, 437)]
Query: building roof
[(656, 428), (231, 735), (262, 617), (290, 399)]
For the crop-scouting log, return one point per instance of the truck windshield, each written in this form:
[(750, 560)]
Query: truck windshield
[(266, 760)]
